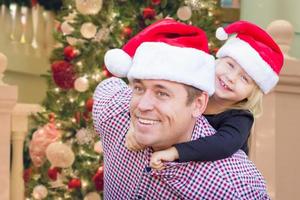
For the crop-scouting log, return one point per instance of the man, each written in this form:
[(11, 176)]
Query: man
[(171, 76)]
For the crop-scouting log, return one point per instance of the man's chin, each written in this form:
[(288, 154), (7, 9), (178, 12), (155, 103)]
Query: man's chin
[(143, 139)]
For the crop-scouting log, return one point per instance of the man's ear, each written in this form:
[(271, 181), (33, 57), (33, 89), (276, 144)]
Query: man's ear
[(200, 103)]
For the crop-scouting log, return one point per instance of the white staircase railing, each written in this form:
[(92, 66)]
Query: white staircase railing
[(20, 116), (8, 99)]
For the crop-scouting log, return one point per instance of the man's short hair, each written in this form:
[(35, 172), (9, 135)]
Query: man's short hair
[(192, 93)]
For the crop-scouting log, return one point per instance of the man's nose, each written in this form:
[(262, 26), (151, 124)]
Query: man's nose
[(146, 102)]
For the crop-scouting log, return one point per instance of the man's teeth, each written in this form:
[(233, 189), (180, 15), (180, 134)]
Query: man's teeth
[(147, 121)]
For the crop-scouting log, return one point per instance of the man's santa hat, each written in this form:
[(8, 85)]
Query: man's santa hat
[(255, 50), (166, 50)]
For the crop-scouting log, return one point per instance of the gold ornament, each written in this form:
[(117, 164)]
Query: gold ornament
[(81, 84), (88, 30), (89, 7), (60, 155), (184, 13)]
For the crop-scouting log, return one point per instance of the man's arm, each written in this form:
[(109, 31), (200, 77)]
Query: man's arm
[(111, 98)]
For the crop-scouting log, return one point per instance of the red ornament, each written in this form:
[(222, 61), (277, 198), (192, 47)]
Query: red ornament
[(89, 104), (155, 2), (105, 72), (51, 117), (27, 174), (70, 52), (74, 183), (52, 173), (98, 179), (77, 117), (33, 3), (63, 74), (127, 31), (148, 13)]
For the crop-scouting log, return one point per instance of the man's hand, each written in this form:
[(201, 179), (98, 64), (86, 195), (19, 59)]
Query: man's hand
[(130, 141), (158, 157)]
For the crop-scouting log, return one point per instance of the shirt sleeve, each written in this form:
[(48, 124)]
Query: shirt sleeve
[(232, 134), (111, 99)]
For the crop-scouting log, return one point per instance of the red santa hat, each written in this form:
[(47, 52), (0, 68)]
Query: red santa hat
[(255, 50), (166, 50)]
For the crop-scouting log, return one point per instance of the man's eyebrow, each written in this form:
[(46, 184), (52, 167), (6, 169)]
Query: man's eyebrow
[(162, 87), (136, 81)]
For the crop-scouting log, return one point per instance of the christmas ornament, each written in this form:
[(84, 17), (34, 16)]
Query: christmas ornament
[(51, 117), (88, 7), (98, 178), (89, 104), (70, 52), (71, 40), (81, 84), (126, 32), (149, 13), (102, 35), (52, 173), (58, 183), (74, 183), (84, 136), (92, 196), (155, 2), (98, 147), (88, 30), (66, 28), (184, 13), (39, 192), (63, 74), (27, 174), (41, 138), (60, 155), (195, 4), (86, 116)]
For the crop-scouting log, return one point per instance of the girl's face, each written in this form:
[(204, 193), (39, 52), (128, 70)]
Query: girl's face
[(233, 84)]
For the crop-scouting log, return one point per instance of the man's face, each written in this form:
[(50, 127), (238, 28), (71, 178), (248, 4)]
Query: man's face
[(159, 113)]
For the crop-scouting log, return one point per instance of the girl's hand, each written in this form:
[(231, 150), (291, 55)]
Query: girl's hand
[(158, 157), (130, 141)]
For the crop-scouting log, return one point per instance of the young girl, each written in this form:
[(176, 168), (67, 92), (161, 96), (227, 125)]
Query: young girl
[(248, 67)]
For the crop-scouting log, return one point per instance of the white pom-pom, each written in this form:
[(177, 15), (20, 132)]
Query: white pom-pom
[(118, 62), (221, 34)]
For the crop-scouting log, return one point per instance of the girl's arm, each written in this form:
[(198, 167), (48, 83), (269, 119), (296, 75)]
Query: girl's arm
[(233, 129)]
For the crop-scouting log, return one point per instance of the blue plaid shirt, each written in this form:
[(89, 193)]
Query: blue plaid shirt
[(127, 174)]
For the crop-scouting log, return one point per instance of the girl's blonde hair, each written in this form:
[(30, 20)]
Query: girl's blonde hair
[(252, 103)]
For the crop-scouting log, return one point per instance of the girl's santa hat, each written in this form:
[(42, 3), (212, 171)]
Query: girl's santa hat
[(166, 50), (255, 50)]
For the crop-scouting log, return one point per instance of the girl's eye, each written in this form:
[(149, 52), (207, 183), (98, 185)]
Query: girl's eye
[(245, 79)]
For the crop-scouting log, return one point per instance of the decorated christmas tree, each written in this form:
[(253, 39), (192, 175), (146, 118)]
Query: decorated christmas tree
[(63, 154)]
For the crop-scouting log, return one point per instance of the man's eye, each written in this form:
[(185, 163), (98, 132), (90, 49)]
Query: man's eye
[(162, 94), (137, 89)]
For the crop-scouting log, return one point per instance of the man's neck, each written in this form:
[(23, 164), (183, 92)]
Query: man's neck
[(185, 137)]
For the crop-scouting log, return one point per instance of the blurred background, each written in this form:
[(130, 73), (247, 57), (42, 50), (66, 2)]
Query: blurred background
[(52, 59)]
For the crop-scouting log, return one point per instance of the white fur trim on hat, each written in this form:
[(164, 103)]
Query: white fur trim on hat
[(221, 34), (117, 62), (250, 60), (158, 60)]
